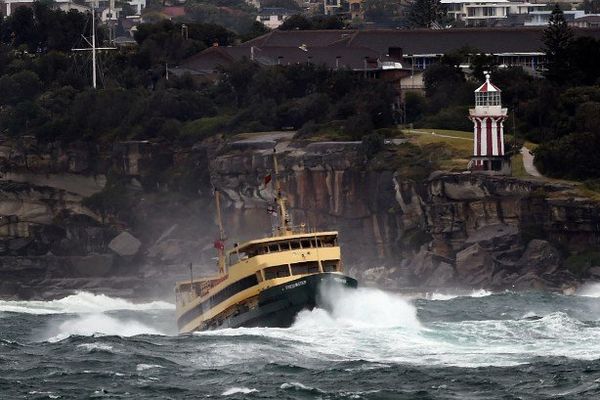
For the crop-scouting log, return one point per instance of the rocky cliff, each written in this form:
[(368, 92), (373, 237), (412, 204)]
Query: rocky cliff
[(128, 218)]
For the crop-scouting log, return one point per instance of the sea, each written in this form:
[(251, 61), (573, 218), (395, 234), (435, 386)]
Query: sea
[(372, 345)]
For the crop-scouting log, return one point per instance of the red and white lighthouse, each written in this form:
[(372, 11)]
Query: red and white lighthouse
[(488, 128)]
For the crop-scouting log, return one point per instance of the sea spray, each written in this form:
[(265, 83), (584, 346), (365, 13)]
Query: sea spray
[(589, 290), (362, 307)]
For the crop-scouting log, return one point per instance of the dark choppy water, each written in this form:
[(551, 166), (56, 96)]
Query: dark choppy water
[(374, 346)]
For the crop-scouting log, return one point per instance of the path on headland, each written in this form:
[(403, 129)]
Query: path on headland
[(437, 134), (528, 162)]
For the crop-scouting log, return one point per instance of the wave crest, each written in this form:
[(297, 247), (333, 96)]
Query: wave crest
[(80, 302), (101, 325)]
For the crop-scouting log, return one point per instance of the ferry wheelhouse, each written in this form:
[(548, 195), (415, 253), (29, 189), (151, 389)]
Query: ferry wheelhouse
[(263, 282)]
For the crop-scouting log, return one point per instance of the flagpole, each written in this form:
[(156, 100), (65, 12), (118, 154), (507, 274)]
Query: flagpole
[(94, 47), (191, 278)]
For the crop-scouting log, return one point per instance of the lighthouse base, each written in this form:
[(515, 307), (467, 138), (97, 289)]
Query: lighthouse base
[(491, 165)]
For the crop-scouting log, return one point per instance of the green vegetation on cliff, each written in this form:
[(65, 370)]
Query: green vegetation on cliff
[(44, 88)]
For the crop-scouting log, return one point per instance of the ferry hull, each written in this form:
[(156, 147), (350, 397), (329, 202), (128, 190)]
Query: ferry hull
[(279, 305)]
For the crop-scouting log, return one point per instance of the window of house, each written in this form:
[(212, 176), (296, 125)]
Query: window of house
[(278, 271)]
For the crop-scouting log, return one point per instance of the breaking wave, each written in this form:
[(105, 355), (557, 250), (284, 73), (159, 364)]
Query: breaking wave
[(81, 302), (450, 296), (101, 325), (238, 390)]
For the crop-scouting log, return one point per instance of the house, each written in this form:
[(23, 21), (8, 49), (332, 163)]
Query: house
[(332, 7), (9, 6), (487, 12), (587, 21), (273, 17), (396, 56), (356, 9), (574, 18)]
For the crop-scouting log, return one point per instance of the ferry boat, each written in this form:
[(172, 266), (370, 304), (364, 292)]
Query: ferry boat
[(263, 282)]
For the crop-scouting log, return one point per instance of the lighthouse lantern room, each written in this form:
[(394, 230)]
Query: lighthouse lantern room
[(488, 128)]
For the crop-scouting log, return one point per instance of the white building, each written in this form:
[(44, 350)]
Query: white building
[(9, 6), (474, 12), (138, 5), (273, 17), (577, 18)]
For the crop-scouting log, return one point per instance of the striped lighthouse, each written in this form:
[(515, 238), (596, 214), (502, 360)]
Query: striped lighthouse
[(488, 129)]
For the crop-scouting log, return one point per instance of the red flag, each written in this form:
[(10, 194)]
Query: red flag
[(267, 179), (219, 245)]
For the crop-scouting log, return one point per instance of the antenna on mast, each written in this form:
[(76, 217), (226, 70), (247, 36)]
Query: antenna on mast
[(93, 48)]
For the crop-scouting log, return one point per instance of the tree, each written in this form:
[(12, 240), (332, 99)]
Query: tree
[(585, 58), (297, 22), (289, 4), (557, 39), (381, 10), (327, 22), (257, 29), (424, 13)]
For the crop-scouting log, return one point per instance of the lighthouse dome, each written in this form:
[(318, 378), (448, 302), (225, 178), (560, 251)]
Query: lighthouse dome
[(487, 94)]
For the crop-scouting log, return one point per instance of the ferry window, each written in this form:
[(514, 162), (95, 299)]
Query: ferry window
[(330, 266), (295, 245), (327, 243), (233, 289), (306, 244), (311, 267), (277, 271), (273, 248)]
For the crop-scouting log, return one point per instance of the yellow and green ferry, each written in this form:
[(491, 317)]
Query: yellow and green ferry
[(263, 282)]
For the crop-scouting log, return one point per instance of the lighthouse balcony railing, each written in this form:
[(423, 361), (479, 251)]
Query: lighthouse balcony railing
[(488, 111)]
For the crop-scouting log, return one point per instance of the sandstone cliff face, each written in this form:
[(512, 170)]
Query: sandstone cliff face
[(451, 230)]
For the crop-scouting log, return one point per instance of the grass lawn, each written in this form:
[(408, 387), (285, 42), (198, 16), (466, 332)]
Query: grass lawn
[(459, 143)]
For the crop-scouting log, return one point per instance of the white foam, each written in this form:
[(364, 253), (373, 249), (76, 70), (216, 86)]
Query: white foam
[(236, 390), (299, 386), (81, 302), (378, 328), (144, 367), (95, 346), (361, 307), (101, 325), (450, 296)]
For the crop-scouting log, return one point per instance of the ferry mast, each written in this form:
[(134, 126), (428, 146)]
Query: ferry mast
[(220, 243), (284, 227)]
